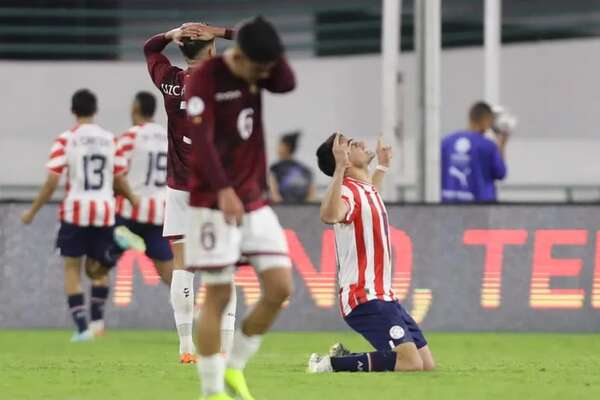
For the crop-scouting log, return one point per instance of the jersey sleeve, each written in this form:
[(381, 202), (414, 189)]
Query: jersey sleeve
[(58, 158), (281, 79), (126, 142), (201, 112), (348, 198), (158, 64), (120, 163)]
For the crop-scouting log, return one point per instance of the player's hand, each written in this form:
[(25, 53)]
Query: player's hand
[(341, 152), (176, 35), (384, 152), (197, 30), (27, 217), (231, 205)]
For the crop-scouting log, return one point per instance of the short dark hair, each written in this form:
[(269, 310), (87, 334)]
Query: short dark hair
[(84, 103), (479, 111), (259, 40), (147, 103), (291, 140), (325, 157), (192, 47)]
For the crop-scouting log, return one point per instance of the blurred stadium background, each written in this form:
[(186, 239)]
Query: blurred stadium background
[(529, 263)]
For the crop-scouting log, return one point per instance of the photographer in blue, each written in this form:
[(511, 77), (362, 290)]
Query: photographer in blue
[(472, 163)]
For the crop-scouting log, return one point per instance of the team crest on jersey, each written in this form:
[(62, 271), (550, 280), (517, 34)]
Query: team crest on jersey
[(396, 332), (195, 106)]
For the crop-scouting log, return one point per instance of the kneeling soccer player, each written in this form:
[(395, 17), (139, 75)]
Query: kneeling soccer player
[(92, 161), (359, 218)]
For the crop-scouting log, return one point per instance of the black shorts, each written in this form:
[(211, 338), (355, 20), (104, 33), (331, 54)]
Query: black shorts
[(157, 246), (92, 241), (385, 324)]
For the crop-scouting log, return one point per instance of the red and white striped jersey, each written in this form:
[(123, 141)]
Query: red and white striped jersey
[(145, 148), (90, 156), (363, 247)]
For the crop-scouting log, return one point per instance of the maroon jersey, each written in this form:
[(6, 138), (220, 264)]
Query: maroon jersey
[(228, 146), (170, 80)]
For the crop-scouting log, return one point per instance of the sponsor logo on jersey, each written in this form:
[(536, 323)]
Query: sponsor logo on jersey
[(229, 95), (172, 90)]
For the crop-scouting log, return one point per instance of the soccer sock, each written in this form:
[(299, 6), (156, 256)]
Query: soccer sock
[(376, 361), (182, 300), (77, 309), (211, 370), (97, 302), (228, 323), (244, 347)]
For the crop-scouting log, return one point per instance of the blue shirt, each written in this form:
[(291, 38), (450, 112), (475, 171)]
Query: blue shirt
[(471, 163)]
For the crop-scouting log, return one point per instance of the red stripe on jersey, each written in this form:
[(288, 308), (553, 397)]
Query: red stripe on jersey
[(134, 213), (379, 250), (352, 296), (127, 147), (92, 212), (129, 135), (386, 224), (151, 211), (361, 251), (119, 204), (106, 213), (76, 212), (62, 141), (118, 170), (61, 211), (57, 153), (57, 170)]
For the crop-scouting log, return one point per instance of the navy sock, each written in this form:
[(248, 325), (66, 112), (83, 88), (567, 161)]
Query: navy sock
[(365, 362), (99, 296), (77, 309)]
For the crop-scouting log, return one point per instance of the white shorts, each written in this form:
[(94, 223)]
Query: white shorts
[(214, 247), (175, 213)]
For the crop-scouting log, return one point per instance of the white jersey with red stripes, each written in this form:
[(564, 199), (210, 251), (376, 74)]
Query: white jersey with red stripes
[(363, 247), (145, 148), (90, 157)]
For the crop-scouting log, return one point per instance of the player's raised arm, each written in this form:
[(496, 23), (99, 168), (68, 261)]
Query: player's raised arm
[(384, 156), (281, 79), (158, 64), (333, 207)]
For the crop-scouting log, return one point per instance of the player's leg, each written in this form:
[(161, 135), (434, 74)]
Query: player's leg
[(213, 247), (72, 246), (263, 241), (99, 296), (182, 281), (159, 250), (419, 339), (382, 324)]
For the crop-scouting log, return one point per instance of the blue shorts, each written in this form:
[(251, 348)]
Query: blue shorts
[(157, 246), (91, 241), (385, 324)]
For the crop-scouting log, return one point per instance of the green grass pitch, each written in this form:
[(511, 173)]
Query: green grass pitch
[(143, 365)]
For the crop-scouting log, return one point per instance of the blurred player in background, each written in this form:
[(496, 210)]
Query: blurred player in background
[(290, 181), (354, 207), (144, 146), (197, 44), (93, 164), (471, 163), (229, 216)]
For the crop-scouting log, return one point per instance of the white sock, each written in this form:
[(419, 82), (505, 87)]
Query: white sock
[(228, 323), (182, 300), (211, 370), (96, 326), (244, 347)]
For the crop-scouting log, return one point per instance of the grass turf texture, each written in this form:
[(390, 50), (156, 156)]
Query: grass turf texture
[(143, 365)]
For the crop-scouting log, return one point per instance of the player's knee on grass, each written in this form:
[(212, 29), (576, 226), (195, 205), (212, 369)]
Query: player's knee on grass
[(427, 357), (278, 285), (408, 358)]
